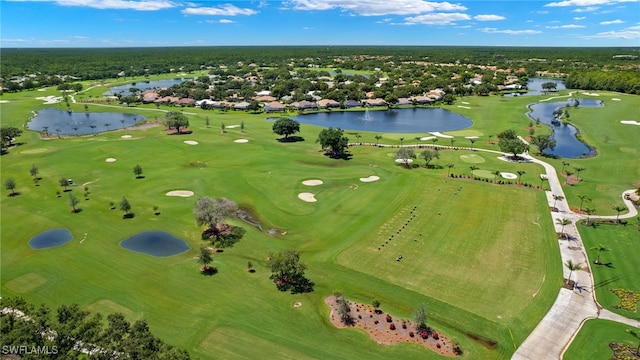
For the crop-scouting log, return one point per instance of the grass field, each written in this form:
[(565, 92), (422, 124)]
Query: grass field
[(482, 257), (594, 338)]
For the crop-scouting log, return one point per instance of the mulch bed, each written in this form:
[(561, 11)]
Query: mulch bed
[(380, 329)]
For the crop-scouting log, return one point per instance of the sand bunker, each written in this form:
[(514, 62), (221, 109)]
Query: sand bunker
[(308, 197), (404, 161), (508, 175), (590, 94), (191, 142), (464, 107), (180, 193), (297, 304), (111, 160), (50, 99), (34, 151), (471, 137), (312, 182), (126, 136), (435, 133), (615, 99), (232, 126), (241, 141), (370, 178), (630, 122), (4, 101), (426, 138)]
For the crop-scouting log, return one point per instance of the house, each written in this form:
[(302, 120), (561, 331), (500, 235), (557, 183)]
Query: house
[(241, 106), (304, 105), (328, 103), (404, 101), (185, 102), (264, 98), (422, 99), (376, 102), (352, 103), (263, 93), (274, 106)]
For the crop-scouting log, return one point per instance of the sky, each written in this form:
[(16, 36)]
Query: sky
[(145, 23)]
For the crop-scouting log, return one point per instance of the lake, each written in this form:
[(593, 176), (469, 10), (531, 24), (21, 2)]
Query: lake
[(155, 243), (143, 85), (51, 238), (63, 122)]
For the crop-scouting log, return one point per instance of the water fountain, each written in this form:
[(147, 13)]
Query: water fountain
[(367, 117)]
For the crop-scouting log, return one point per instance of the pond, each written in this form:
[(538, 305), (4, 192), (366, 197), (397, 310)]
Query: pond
[(143, 85), (63, 122), (51, 238), (415, 120), (155, 243), (567, 144), (534, 85)]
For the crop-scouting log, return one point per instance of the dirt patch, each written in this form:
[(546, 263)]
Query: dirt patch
[(386, 330)]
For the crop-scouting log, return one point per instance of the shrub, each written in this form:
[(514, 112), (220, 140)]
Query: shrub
[(411, 334), (424, 334), (392, 326), (389, 319)]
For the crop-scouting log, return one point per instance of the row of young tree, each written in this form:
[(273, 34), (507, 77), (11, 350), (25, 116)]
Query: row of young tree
[(72, 333)]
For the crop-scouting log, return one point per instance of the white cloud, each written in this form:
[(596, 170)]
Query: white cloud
[(624, 34), (226, 21), (586, 2), (375, 7), (587, 9), (509, 32), (222, 10), (612, 22), (579, 18), (436, 19), (488, 17), (568, 26), (142, 5)]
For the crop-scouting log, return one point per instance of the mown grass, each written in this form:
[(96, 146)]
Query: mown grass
[(488, 265), (592, 342)]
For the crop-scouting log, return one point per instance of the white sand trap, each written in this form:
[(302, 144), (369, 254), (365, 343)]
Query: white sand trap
[(427, 138), (180, 193), (404, 161), (591, 94), (464, 107), (126, 136), (508, 175), (241, 141), (435, 133), (629, 122), (297, 304), (232, 126), (308, 197), (615, 99), (371, 178), (471, 137), (42, 89), (50, 99), (111, 160), (312, 182), (464, 102), (191, 142), (4, 101)]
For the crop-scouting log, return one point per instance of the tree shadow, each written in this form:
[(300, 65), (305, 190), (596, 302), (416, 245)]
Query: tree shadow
[(607, 281), (209, 271), (128, 216), (343, 156), (291, 139), (140, 177), (15, 193), (76, 210)]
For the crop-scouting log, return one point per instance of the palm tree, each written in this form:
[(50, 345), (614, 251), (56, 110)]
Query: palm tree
[(600, 248), (417, 140), (473, 141), (452, 141), (564, 163), (582, 198), (107, 126), (449, 166), (401, 140), (122, 121), (619, 209), (520, 173), (568, 173), (563, 223), (572, 267), (578, 170), (556, 198), (589, 211), (490, 137), (495, 175), (435, 140), (473, 168), (358, 136), (46, 131), (542, 180), (58, 132), (75, 128), (378, 137), (93, 128)]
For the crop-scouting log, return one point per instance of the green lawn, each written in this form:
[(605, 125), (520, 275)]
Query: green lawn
[(592, 342), (488, 265)]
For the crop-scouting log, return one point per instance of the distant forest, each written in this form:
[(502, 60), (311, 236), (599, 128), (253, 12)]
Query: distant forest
[(615, 69)]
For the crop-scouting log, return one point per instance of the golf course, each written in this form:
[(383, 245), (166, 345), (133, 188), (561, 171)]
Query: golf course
[(469, 236)]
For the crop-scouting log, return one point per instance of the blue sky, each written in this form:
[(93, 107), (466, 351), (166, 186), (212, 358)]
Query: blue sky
[(128, 23)]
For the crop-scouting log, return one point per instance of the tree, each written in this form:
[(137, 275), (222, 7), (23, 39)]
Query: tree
[(405, 155), (543, 142), (589, 211), (137, 171), (520, 173), (618, 209), (213, 213), (285, 127), (556, 198), (64, 182), (452, 140), (508, 134), (375, 303), (473, 168), (34, 172), (344, 311), (8, 135), (288, 272), (125, 206), (572, 267), (582, 198), (429, 155), (449, 167), (205, 258), (242, 126), (332, 140), (600, 248), (73, 201), (401, 140), (10, 184), (420, 318), (568, 174), (378, 137), (105, 125), (547, 86), (176, 120), (637, 336), (207, 122), (495, 176), (222, 128), (514, 146), (563, 222), (93, 129), (564, 163), (578, 170)]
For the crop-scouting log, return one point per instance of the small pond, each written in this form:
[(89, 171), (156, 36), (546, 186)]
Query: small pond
[(143, 85), (51, 238), (63, 122), (414, 120), (155, 243), (567, 144), (534, 85)]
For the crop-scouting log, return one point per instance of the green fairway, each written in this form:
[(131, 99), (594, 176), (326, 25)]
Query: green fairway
[(482, 257), (594, 338)]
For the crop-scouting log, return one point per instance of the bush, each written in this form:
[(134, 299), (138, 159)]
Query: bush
[(392, 326)]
